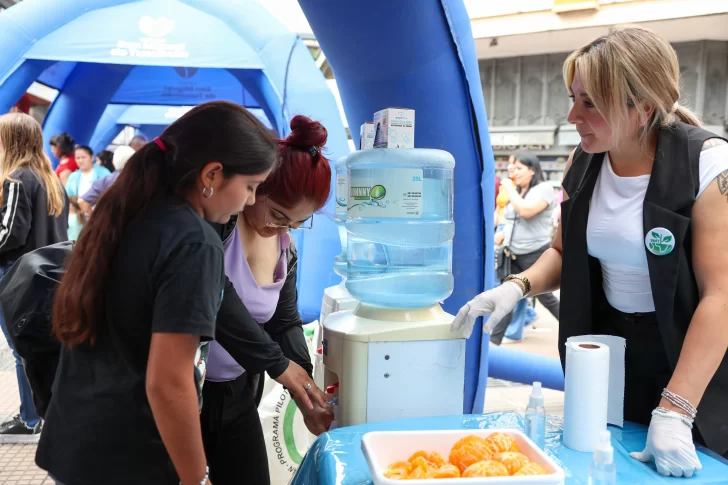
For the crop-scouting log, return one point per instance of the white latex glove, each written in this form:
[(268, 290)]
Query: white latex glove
[(498, 302), (670, 443)]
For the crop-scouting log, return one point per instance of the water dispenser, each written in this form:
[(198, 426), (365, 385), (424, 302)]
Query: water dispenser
[(393, 356), (336, 298)]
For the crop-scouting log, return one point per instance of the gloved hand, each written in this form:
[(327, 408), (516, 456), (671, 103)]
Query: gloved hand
[(670, 443), (498, 302)]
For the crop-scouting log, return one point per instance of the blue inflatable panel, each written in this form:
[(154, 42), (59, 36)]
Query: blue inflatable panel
[(387, 54), (104, 39)]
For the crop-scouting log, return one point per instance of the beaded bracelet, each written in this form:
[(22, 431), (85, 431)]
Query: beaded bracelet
[(672, 414), (680, 402)]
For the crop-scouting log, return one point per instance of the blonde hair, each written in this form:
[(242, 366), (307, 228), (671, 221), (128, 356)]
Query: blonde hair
[(22, 142), (630, 67)]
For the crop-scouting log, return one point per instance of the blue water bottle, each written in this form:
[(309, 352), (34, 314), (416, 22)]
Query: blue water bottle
[(341, 192), (400, 227)]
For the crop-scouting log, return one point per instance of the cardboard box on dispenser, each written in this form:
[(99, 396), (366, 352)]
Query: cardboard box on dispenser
[(366, 136), (394, 128)]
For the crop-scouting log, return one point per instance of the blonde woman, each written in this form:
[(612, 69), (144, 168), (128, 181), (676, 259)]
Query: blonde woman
[(33, 214), (641, 248)]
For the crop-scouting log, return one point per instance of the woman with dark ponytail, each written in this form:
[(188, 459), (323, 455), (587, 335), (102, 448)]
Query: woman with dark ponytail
[(261, 261), (62, 146), (136, 323)]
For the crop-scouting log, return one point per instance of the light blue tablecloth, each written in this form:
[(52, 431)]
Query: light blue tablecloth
[(336, 457)]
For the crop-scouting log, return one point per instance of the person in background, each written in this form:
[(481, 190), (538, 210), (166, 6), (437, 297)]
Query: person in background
[(88, 199), (528, 226), (80, 181), (261, 262), (524, 314), (34, 213), (104, 158), (77, 218), (138, 142), (138, 305), (641, 249), (497, 186), (62, 146)]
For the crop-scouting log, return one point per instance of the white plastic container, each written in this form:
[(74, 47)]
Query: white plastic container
[(382, 448)]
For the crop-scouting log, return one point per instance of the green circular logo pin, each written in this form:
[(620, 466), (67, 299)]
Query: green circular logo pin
[(659, 241)]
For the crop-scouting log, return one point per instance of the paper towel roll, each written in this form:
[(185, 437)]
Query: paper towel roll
[(586, 394), (615, 412)]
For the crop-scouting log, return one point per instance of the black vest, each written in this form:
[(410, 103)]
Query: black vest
[(668, 203)]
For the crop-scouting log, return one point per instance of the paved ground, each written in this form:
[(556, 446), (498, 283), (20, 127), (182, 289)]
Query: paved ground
[(17, 462), (509, 396)]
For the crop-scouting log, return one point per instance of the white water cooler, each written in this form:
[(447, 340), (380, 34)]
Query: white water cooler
[(382, 361), (393, 363), (335, 299)]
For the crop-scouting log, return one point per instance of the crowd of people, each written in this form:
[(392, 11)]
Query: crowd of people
[(197, 272), (183, 266)]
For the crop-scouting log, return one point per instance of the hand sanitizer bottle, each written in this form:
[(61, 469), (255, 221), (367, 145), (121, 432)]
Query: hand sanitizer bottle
[(536, 417), (602, 470)]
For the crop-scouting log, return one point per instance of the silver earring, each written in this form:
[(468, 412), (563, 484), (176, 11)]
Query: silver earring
[(205, 194)]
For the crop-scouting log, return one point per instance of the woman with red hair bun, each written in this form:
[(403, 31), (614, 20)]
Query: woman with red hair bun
[(261, 262)]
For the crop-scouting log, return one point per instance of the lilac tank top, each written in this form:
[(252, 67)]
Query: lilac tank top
[(261, 301)]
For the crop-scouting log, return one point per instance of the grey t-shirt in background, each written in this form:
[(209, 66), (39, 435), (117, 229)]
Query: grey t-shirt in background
[(525, 236)]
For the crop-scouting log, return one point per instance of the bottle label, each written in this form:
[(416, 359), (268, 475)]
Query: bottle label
[(341, 198), (386, 193)]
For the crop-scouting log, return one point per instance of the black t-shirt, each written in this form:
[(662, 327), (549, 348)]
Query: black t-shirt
[(167, 276)]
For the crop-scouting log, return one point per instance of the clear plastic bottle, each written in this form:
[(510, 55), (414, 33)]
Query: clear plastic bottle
[(342, 200), (400, 227), (536, 417), (602, 470)]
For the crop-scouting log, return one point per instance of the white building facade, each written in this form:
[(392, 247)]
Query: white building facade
[(522, 45)]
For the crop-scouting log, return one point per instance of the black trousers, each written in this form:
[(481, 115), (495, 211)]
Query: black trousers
[(645, 361), (232, 434), (519, 265)]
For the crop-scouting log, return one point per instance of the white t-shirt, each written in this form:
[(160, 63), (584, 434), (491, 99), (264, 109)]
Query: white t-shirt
[(615, 232), (85, 182), (525, 236)]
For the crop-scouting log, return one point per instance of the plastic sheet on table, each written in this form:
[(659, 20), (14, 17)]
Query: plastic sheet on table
[(336, 457)]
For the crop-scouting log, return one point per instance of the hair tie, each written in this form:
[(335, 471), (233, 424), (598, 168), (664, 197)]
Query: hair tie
[(158, 141), (314, 150)]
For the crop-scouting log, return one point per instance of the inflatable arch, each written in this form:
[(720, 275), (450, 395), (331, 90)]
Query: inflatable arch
[(383, 56), (171, 52), (388, 54), (149, 120)]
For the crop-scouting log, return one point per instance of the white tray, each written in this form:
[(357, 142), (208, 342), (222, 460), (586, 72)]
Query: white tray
[(382, 448)]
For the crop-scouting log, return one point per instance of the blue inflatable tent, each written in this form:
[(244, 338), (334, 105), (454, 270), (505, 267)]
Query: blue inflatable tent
[(149, 120), (171, 52), (383, 53)]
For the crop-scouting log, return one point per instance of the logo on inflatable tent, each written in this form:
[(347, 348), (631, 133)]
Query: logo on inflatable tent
[(153, 45), (185, 72), (159, 27)]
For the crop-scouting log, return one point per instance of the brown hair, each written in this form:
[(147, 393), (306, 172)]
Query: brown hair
[(216, 131), (22, 140), (626, 68), (82, 217)]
